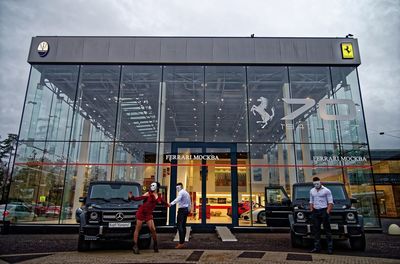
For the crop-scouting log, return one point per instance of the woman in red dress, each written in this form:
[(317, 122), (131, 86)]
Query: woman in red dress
[(145, 214)]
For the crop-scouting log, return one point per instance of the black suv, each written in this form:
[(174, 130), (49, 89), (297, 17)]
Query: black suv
[(107, 214), (345, 222)]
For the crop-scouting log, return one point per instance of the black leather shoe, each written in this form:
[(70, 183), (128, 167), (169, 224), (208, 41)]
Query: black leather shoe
[(315, 250), (330, 251)]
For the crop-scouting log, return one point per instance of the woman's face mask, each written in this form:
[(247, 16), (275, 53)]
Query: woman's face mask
[(317, 184), (178, 188), (153, 186)]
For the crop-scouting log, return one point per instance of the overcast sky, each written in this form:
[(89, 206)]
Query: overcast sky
[(376, 25)]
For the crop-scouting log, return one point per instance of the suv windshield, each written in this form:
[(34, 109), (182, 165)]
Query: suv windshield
[(112, 191), (303, 192)]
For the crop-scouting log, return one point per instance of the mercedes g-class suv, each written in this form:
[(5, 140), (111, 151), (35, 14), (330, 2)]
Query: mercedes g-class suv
[(346, 223), (107, 214)]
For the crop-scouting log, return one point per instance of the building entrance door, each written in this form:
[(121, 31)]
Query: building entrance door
[(209, 174)]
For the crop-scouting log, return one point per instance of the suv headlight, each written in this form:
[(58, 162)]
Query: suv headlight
[(300, 216), (93, 216), (351, 217)]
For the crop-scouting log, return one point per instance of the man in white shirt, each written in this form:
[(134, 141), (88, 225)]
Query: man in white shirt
[(184, 205), (321, 205)]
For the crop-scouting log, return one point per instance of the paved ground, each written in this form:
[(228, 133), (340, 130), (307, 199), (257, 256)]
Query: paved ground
[(275, 246), (202, 248), (190, 256)]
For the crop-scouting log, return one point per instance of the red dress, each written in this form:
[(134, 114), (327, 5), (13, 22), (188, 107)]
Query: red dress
[(145, 212)]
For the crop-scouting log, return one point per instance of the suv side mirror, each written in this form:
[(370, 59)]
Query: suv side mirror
[(82, 199), (353, 200)]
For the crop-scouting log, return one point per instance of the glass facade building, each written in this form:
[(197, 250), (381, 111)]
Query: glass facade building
[(227, 117)]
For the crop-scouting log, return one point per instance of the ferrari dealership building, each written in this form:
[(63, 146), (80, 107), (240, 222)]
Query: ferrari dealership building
[(225, 116)]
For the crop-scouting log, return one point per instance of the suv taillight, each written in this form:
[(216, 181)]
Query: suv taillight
[(6, 213)]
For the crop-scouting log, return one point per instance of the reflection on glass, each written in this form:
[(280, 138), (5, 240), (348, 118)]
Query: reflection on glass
[(225, 104), (49, 103), (139, 103), (183, 92), (96, 103), (219, 186), (345, 85), (266, 88)]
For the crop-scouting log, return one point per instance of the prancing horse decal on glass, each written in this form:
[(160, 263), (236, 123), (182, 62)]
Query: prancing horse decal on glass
[(261, 109)]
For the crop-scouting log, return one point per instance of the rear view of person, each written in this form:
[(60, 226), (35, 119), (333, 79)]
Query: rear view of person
[(184, 205)]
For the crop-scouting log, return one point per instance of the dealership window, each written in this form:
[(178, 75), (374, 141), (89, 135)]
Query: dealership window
[(38, 182), (246, 199), (266, 88), (126, 120), (272, 164), (345, 85), (96, 103), (358, 176), (225, 104), (49, 103), (183, 112), (130, 162), (138, 109), (312, 84), (318, 160)]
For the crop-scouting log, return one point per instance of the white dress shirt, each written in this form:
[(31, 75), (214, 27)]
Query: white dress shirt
[(320, 199), (183, 199)]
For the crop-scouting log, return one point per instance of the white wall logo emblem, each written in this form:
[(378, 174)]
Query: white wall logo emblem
[(43, 48), (261, 109)]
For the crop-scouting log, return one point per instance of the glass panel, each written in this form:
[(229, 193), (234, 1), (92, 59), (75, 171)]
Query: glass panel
[(359, 182), (49, 103), (311, 84), (189, 174), (139, 103), (89, 161), (345, 83), (219, 185), (135, 162), (266, 87), (226, 104), (245, 196), (272, 165), (184, 95), (96, 104), (38, 181), (318, 160)]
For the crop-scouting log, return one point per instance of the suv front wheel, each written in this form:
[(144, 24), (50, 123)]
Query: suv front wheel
[(358, 243), (297, 241)]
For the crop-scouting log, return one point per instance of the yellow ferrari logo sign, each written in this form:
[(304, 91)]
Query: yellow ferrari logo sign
[(347, 51)]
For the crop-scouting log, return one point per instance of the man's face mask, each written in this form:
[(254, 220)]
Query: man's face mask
[(153, 186), (317, 184), (178, 188)]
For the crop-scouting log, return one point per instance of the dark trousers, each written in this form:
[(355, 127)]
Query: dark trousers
[(320, 216), (181, 222)]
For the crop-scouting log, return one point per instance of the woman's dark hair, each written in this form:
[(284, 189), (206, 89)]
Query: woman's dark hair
[(315, 179), (179, 184)]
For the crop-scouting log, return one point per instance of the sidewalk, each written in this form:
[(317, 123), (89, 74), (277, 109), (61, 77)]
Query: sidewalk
[(193, 256)]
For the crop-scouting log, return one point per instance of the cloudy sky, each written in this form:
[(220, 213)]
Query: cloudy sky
[(376, 25)]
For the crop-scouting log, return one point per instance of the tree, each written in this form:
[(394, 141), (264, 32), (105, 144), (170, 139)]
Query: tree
[(7, 147)]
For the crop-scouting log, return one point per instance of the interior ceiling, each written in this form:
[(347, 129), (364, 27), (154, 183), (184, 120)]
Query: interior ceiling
[(221, 103)]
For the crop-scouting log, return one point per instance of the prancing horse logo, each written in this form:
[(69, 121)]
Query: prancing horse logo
[(261, 109)]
